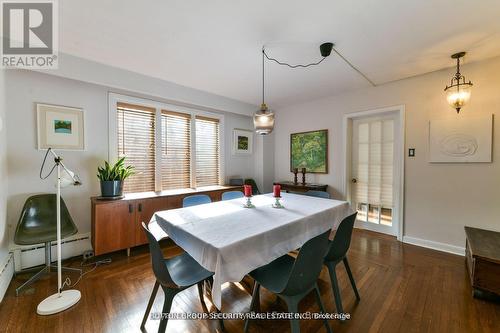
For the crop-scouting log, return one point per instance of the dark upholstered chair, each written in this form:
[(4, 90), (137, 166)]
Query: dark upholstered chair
[(38, 224), (251, 182), (337, 253), (173, 275), (291, 279)]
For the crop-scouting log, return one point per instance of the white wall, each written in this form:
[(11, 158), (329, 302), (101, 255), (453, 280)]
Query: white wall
[(439, 198), (3, 173), (25, 88)]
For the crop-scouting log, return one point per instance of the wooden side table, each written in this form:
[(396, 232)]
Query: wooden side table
[(299, 187), (482, 253)]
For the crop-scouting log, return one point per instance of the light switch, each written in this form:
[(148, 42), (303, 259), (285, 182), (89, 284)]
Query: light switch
[(411, 152)]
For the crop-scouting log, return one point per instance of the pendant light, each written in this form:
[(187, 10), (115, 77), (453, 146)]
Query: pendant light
[(263, 119), (459, 91)]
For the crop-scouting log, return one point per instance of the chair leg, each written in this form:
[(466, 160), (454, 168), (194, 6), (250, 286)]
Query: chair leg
[(351, 278), (202, 298), (335, 287), (321, 307), (31, 280), (150, 304), (221, 321), (293, 307), (256, 288), (167, 305)]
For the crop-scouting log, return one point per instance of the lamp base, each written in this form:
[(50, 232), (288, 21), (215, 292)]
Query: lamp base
[(58, 302)]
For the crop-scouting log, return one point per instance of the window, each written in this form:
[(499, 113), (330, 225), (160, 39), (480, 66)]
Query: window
[(207, 151), (171, 147), (136, 141), (175, 150)]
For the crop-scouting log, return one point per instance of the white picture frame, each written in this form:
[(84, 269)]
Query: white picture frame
[(461, 139), (242, 141), (60, 127)]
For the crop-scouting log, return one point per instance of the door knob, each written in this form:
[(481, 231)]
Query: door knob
[(354, 180)]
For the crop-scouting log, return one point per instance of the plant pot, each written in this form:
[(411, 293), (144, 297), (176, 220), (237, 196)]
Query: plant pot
[(111, 188)]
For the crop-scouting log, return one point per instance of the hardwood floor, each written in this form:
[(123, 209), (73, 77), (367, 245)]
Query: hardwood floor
[(403, 288)]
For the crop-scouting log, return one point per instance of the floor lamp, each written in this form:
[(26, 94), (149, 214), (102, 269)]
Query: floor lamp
[(61, 300)]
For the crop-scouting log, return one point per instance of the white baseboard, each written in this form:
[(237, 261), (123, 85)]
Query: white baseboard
[(435, 245), (6, 273), (26, 256)]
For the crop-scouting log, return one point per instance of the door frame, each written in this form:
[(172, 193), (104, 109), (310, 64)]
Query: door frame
[(399, 167)]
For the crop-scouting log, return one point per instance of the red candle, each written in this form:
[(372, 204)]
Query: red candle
[(277, 191), (248, 190)]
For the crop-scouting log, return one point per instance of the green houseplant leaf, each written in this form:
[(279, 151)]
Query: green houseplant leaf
[(117, 171)]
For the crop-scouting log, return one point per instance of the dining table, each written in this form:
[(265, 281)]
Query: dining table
[(231, 240)]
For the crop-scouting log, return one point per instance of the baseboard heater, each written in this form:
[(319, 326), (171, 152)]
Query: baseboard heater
[(34, 255), (6, 274)]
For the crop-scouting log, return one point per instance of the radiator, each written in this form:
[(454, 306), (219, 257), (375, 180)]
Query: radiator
[(6, 273), (34, 255)]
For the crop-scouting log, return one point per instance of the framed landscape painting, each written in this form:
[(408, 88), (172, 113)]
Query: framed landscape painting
[(242, 141), (309, 150), (60, 127)]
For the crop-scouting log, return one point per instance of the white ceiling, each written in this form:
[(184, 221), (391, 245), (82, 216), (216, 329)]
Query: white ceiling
[(215, 45)]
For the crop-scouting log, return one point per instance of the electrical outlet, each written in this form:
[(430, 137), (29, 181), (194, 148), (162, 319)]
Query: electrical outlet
[(88, 254)]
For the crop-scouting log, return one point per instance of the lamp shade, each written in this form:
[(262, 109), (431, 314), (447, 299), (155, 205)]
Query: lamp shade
[(263, 121), (458, 95), (68, 178)]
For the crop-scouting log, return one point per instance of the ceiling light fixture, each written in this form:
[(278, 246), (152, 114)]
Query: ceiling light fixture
[(263, 119), (458, 93)]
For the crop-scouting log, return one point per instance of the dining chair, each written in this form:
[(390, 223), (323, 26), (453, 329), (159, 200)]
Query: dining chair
[(232, 195), (337, 253), (197, 199), (319, 194), (38, 224), (173, 275), (251, 182), (291, 279)]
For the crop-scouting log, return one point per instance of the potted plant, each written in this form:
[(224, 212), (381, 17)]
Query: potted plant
[(112, 177)]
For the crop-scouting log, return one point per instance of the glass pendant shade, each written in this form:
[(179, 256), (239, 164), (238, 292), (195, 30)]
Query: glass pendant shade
[(458, 95), (459, 91), (263, 120)]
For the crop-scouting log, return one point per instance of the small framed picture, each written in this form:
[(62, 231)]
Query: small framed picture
[(242, 141), (60, 127)]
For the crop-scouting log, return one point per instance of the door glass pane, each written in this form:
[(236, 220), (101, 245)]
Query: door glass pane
[(386, 216), (362, 209), (373, 214)]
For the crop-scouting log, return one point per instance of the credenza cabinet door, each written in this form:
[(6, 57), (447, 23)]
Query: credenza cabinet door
[(113, 226), (145, 210)]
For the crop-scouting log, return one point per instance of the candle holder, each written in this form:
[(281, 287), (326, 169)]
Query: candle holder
[(303, 176), (248, 204), (277, 203)]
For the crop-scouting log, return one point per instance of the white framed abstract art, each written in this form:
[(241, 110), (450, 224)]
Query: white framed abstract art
[(461, 139), (60, 127)]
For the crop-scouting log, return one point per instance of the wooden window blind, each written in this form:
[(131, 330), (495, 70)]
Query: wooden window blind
[(207, 151), (136, 141), (175, 150)]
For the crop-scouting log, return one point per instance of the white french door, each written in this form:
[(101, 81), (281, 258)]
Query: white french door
[(373, 164)]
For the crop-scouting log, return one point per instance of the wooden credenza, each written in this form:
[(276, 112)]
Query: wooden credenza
[(299, 187), (482, 254), (117, 224)]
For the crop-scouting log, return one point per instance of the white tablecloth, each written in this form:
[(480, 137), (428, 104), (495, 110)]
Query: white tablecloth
[(231, 241)]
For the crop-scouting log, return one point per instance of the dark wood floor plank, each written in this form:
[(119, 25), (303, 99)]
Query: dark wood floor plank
[(403, 288)]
